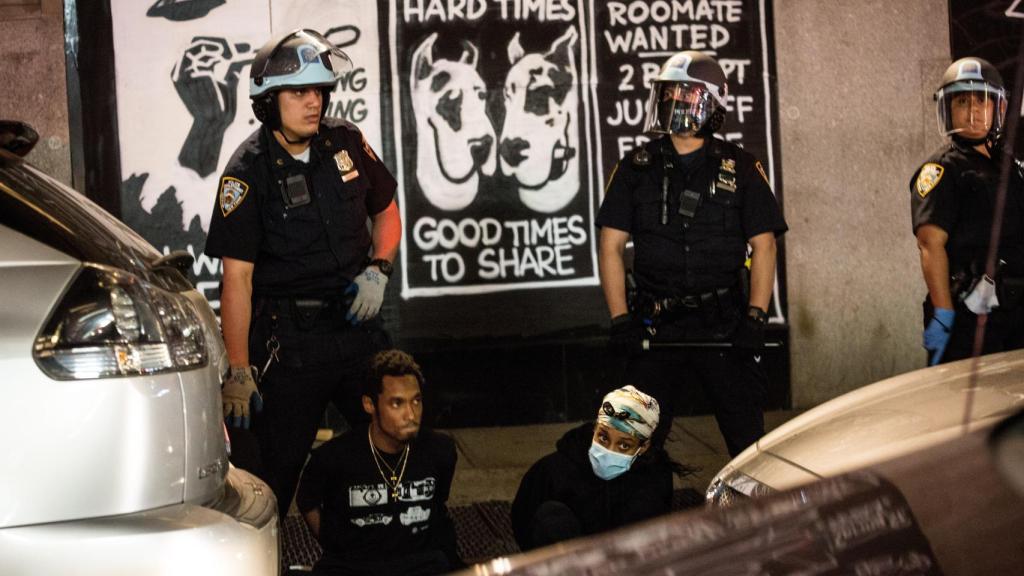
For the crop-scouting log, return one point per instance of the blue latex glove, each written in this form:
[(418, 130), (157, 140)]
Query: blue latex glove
[(936, 335)]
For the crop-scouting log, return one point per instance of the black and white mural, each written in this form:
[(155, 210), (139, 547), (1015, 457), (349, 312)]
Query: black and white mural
[(496, 171), (501, 120)]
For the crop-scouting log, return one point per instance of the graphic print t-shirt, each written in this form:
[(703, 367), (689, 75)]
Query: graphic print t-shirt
[(359, 519)]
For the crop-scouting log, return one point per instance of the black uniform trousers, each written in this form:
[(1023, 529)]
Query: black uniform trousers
[(1004, 327), (732, 379), (322, 358)]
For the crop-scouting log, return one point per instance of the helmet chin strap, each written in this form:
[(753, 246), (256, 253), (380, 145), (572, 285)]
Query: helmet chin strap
[(299, 141), (987, 140)]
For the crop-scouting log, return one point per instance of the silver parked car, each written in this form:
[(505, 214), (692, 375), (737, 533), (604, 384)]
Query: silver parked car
[(883, 421), (113, 454)]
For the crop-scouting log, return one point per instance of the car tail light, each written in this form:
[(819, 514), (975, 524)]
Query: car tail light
[(110, 323), (730, 487)]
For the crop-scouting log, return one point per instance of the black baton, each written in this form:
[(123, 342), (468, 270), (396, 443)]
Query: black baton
[(647, 345)]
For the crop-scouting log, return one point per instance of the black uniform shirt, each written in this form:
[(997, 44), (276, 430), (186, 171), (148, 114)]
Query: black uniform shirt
[(359, 521), (311, 250), (689, 255), (956, 191)]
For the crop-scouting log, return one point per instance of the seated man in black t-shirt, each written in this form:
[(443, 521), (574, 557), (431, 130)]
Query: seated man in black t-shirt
[(375, 497)]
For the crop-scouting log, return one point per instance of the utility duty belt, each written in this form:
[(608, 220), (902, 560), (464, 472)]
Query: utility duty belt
[(306, 312), (655, 308), (284, 306)]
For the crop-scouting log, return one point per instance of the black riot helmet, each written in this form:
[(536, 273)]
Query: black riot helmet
[(298, 59), (971, 83), (688, 96)]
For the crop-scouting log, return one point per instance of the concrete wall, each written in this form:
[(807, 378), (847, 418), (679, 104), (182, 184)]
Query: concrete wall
[(856, 115), (33, 88)]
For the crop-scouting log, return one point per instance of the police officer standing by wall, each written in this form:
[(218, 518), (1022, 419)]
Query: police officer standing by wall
[(953, 198), (692, 203), (304, 275)]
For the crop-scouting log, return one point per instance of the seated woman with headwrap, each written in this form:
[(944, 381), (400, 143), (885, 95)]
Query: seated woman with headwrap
[(603, 475)]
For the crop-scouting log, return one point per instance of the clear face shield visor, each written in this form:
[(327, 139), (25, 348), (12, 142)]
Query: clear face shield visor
[(678, 107), (308, 48), (972, 109)]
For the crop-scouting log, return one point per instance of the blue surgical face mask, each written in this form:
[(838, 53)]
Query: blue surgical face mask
[(607, 464)]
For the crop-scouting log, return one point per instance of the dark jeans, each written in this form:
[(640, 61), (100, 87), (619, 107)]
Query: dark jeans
[(732, 379), (322, 359)]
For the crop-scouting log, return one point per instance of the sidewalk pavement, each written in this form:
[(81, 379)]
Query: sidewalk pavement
[(493, 460)]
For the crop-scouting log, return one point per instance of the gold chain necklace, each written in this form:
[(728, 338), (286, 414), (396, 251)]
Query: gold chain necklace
[(395, 479)]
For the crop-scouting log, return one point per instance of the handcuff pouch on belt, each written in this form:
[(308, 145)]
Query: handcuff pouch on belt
[(308, 311)]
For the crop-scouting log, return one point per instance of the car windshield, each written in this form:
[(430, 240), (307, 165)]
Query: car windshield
[(46, 210)]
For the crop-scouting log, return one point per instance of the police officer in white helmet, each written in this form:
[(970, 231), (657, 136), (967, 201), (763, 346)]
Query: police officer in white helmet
[(691, 204), (952, 197)]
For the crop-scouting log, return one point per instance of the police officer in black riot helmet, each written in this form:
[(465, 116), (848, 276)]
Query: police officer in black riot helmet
[(953, 195), (304, 276), (692, 203)]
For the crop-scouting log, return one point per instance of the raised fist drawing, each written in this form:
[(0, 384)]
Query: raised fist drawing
[(206, 79)]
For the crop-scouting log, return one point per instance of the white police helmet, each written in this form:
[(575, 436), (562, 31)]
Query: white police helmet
[(978, 80), (688, 96), (298, 59)]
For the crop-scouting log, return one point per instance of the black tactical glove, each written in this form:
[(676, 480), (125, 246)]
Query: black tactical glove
[(749, 333), (626, 335)]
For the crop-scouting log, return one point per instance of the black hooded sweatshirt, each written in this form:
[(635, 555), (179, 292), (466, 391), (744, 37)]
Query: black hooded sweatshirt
[(644, 491)]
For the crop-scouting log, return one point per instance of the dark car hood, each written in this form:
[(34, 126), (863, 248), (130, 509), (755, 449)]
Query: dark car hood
[(42, 208)]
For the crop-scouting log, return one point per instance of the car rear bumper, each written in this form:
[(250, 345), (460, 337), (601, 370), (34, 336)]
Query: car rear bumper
[(238, 534)]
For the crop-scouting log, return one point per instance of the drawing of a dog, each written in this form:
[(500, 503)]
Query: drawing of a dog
[(455, 141), (539, 138)]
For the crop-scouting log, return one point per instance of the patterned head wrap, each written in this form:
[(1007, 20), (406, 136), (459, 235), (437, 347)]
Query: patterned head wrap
[(631, 411)]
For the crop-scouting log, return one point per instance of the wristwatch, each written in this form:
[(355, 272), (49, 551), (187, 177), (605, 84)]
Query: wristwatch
[(383, 265), (759, 316)]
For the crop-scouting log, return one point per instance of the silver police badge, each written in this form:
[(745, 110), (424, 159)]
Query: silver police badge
[(232, 192), (344, 161), (345, 166)]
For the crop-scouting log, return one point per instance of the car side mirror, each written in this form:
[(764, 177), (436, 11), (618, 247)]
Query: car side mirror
[(17, 137), (177, 259)]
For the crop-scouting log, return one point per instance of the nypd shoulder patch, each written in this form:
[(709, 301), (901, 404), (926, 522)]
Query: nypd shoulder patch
[(232, 193), (369, 150), (928, 178)]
